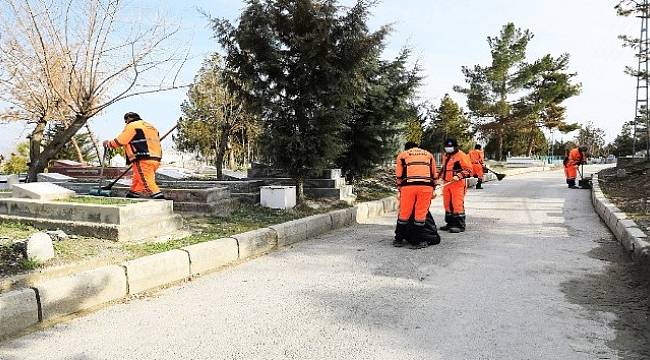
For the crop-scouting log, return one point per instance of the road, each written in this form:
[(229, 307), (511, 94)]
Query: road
[(536, 276)]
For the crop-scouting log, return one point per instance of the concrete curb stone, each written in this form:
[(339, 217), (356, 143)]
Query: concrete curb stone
[(290, 232), (18, 311), (256, 242), (62, 296), (318, 225), (157, 270), (626, 231), (212, 255), (70, 294)]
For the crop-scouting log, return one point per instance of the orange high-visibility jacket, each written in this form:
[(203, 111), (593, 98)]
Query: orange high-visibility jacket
[(575, 158), (477, 156), (141, 141), (415, 167), (457, 164)]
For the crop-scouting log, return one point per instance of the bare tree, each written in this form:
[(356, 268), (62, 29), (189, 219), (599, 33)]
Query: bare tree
[(78, 57)]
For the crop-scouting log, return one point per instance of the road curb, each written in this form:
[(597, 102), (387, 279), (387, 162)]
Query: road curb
[(627, 232), (22, 309)]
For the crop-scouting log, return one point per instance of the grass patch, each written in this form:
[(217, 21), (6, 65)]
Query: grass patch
[(98, 200), (15, 231), (29, 264), (246, 218)]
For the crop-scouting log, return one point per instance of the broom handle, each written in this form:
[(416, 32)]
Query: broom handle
[(130, 166)]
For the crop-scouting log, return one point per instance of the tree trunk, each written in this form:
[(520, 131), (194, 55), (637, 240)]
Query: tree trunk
[(221, 150), (36, 140), (96, 145), (531, 141), (500, 144), (300, 189), (40, 163), (77, 149)]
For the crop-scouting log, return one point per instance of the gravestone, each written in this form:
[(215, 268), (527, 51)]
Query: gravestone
[(39, 247), (278, 197), (41, 191), (54, 178), (13, 179), (171, 175)]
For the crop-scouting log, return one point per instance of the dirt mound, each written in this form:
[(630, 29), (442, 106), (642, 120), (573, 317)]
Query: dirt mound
[(629, 188)]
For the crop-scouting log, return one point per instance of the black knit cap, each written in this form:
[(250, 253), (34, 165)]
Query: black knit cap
[(131, 116), (451, 142)]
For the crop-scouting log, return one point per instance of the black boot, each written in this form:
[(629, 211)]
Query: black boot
[(479, 185), (449, 219), (158, 196), (572, 184), (401, 233), (458, 224)]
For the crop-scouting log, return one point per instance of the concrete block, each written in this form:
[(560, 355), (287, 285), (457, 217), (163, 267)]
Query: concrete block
[(278, 197), (256, 242), (39, 247), (41, 191), (18, 311), (157, 270), (341, 218), (54, 178), (361, 213), (390, 204), (67, 295), (212, 255), (375, 209), (318, 225), (13, 180), (290, 232)]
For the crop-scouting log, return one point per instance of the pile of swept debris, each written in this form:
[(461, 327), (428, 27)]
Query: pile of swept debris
[(628, 187), (379, 184)]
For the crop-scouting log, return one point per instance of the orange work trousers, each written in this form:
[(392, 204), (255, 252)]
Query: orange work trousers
[(143, 181), (571, 172), (415, 199), (477, 169), (453, 196)]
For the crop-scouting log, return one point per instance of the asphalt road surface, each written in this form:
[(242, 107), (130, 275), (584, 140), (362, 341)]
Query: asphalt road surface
[(536, 276)]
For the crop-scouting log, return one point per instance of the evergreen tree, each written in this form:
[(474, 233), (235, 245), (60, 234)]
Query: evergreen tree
[(624, 142), (80, 147), (447, 121), (593, 138), (512, 93), (303, 63), (372, 128)]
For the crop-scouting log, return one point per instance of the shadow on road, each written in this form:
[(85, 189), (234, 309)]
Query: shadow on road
[(622, 289)]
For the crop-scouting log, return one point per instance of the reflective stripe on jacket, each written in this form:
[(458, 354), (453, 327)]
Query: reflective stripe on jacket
[(456, 164), (141, 141), (415, 167)]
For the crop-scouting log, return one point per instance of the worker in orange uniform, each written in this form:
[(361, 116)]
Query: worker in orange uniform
[(455, 169), (141, 142), (576, 157), (478, 162), (416, 177)]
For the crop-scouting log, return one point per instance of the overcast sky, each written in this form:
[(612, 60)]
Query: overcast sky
[(444, 34)]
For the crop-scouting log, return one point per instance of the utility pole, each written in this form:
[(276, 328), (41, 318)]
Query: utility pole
[(642, 115)]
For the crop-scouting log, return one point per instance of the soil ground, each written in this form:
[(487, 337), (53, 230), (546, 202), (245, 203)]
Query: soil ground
[(630, 193)]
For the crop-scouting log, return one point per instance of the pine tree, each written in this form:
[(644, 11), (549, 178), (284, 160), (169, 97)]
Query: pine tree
[(302, 63), (447, 121), (512, 93), (623, 144), (372, 128)]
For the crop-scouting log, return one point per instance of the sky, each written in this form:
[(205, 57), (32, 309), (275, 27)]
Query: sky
[(444, 35)]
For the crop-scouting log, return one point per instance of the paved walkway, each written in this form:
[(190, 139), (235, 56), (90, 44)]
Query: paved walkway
[(537, 276)]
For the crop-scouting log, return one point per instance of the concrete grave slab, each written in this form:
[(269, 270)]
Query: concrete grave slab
[(54, 178), (41, 191)]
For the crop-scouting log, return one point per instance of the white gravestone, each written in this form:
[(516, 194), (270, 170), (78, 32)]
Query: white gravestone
[(278, 197), (41, 191)]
